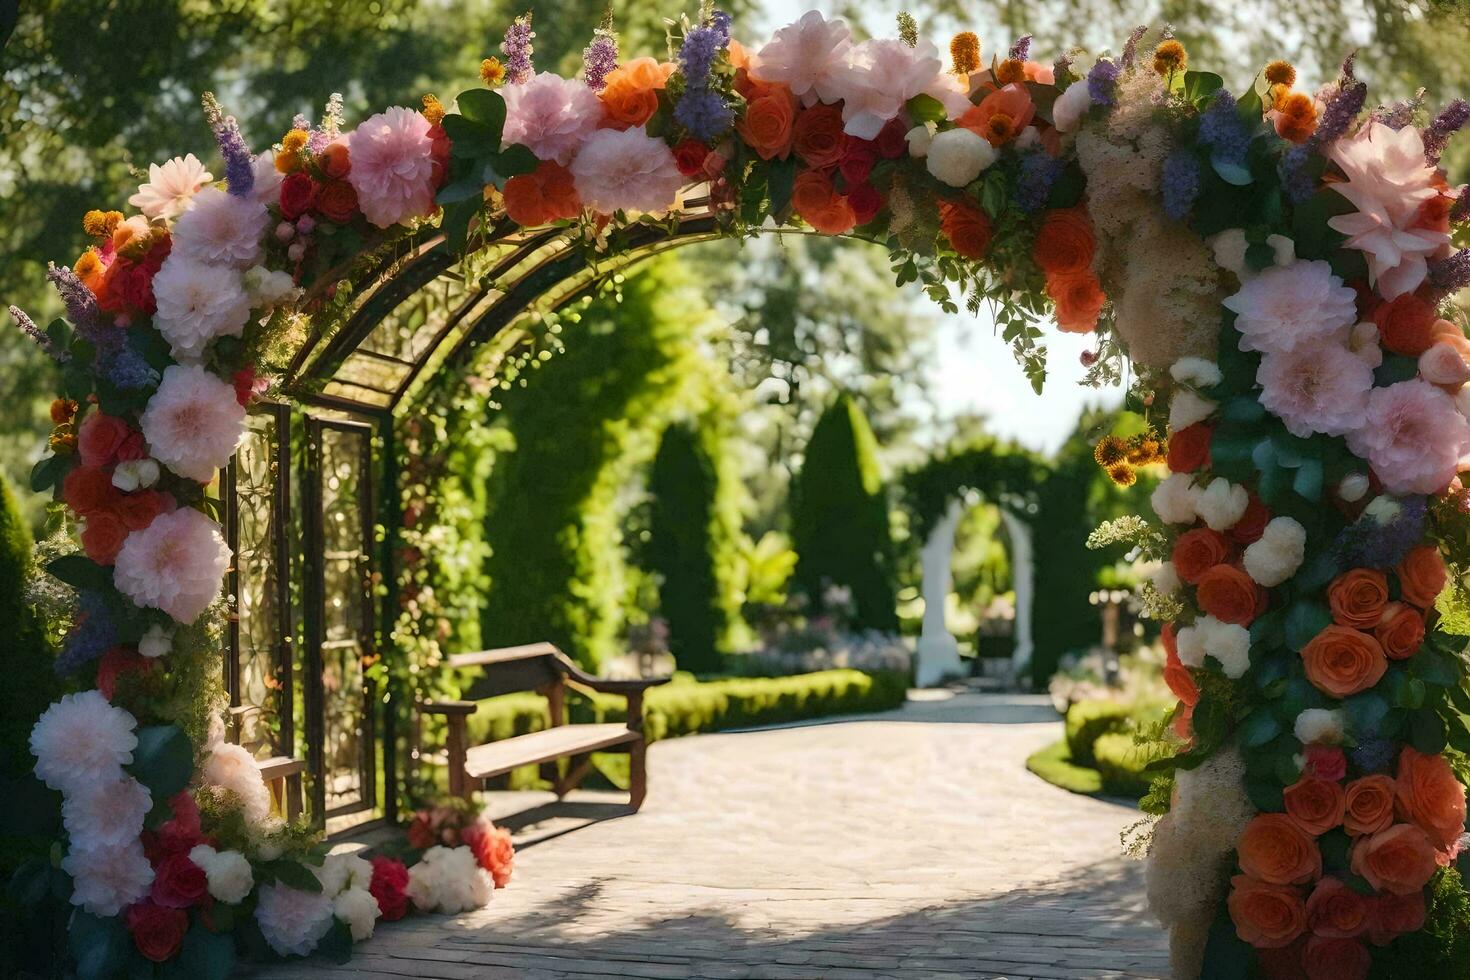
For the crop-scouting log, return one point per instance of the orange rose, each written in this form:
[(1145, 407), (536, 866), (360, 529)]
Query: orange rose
[(817, 201), (1064, 242), (336, 201), (546, 194), (1368, 805), (1078, 298), (769, 123), (1228, 594), (1176, 675), (1198, 551), (1431, 796), (1394, 915), (1406, 324), (335, 160), (1330, 958), (1357, 598), (630, 92), (1274, 849), (1265, 915), (1422, 576), (1341, 661), (103, 536), (967, 229), (1315, 804), (1400, 631), (1400, 859), (1335, 910), (819, 139), (1001, 116)]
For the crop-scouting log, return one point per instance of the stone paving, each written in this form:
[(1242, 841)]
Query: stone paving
[(909, 844)]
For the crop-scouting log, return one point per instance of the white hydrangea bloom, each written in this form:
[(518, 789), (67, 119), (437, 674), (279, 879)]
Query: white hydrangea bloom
[(1198, 371), (1320, 726), (228, 872), (357, 908), (1278, 553), (957, 156), (1186, 408), (1175, 499), (1222, 504)]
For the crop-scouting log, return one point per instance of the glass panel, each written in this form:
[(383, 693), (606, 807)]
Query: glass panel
[(263, 678)]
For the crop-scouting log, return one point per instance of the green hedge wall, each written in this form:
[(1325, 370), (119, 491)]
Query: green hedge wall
[(839, 517)]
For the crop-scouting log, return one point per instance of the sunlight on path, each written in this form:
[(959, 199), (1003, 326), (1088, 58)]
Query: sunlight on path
[(910, 844)]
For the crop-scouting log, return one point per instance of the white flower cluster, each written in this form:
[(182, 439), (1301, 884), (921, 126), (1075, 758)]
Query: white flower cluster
[(292, 921), (1278, 553), (957, 156), (228, 872), (232, 769), (345, 879), (449, 880), (1227, 643), (81, 744), (1220, 504)]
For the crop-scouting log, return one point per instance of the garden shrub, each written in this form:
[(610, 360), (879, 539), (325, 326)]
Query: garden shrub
[(1087, 721), (839, 518), (1120, 759)]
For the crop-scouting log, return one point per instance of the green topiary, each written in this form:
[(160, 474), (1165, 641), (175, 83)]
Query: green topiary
[(30, 683), (688, 546), (839, 518), (1120, 760), (1087, 721)]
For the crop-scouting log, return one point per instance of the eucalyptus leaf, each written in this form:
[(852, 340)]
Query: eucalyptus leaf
[(163, 760), (1231, 172)]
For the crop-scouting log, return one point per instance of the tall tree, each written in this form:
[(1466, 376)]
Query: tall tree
[(839, 518)]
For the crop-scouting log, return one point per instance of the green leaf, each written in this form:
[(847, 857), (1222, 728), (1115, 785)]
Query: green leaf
[(1308, 480), (1304, 620), (466, 189), (336, 945), (48, 472), (163, 760), (1265, 793), (1427, 732), (515, 160), (99, 947), (482, 106), (207, 955), (30, 884), (456, 223), (926, 108), (80, 572), (1231, 172), (1250, 107), (1366, 711), (468, 138), (1436, 668), (1227, 956), (1259, 727), (293, 875), (779, 184)]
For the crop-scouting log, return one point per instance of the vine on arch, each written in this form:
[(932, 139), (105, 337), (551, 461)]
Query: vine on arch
[(1278, 265)]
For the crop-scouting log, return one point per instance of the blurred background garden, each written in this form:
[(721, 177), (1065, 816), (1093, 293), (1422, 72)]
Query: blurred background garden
[(726, 463)]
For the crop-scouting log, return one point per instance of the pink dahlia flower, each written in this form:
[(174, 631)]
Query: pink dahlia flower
[(806, 57), (176, 564), (1412, 436), (221, 229), (1301, 303), (193, 422), (1323, 389), (626, 170), (550, 115), (392, 166), (879, 78), (1389, 179)]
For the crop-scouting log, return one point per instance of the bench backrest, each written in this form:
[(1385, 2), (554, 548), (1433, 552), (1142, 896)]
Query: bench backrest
[(511, 669)]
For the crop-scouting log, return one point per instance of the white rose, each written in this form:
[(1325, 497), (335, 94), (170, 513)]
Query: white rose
[(1353, 487), (156, 642), (1283, 249), (1318, 726), (1197, 371), (229, 875), (357, 908), (1174, 499), (1222, 503), (1069, 108), (1186, 408), (1189, 643), (135, 474), (1227, 643), (1278, 553), (1166, 578), (1229, 247), (919, 139), (957, 156)]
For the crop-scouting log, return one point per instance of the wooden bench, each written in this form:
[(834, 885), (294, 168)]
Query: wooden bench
[(542, 668)]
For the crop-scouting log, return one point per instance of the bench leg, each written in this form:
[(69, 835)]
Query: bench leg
[(638, 773), (577, 769)]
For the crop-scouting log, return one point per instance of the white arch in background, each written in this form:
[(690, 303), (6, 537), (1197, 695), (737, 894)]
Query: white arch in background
[(938, 651)]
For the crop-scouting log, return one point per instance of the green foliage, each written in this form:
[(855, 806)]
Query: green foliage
[(30, 684), (692, 548), (1442, 948), (1056, 765), (839, 518), (1087, 721), (1121, 761), (997, 470)]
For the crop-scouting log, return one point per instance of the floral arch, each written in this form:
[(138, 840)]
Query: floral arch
[(1278, 267)]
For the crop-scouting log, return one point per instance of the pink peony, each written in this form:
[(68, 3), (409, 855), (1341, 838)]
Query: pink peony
[(1298, 304), (106, 812), (176, 564), (626, 170), (881, 76), (550, 115), (82, 740), (232, 769), (1322, 389), (1412, 436), (1389, 179), (393, 166), (807, 57), (197, 302), (107, 878), (193, 422), (221, 229)]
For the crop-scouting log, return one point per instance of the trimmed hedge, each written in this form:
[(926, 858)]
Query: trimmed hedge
[(1054, 764), (1087, 721), (1120, 761), (686, 706)]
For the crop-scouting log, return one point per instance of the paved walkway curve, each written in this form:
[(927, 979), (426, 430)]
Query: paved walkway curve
[(909, 844)]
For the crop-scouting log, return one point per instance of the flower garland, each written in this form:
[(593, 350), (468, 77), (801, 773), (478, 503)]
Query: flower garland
[(1276, 265)]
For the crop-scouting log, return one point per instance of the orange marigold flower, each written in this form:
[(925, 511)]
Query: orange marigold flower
[(1170, 57), (288, 162), (1122, 475), (101, 224), (1110, 451), (293, 141), (62, 442), (964, 51), (63, 410), (1297, 116), (88, 268), (492, 72), (1010, 71), (433, 109), (1281, 73)]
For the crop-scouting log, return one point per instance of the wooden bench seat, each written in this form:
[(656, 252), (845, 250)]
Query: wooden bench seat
[(542, 668)]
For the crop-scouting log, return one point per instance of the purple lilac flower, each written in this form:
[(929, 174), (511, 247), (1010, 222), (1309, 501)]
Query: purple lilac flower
[(1370, 543), (1021, 50), (1461, 210), (1340, 111), (517, 50), (126, 368), (1294, 178), (1033, 184), (80, 303), (704, 113), (599, 58), (28, 326), (1102, 81), (92, 635), (1181, 183), (1222, 129), (1451, 274), (702, 45), (1130, 49), (239, 161), (299, 121), (1451, 119), (1373, 754), (720, 21), (1401, 113)]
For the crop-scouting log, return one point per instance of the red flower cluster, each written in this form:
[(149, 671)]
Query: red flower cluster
[(390, 887), (109, 513)]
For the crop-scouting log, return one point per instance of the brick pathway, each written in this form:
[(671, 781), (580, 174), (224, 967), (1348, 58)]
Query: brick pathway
[(911, 844)]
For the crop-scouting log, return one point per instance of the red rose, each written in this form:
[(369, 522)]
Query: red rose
[(857, 165), (820, 139), (88, 490), (158, 932), (439, 155), (100, 438), (1328, 958), (1198, 551), (298, 193), (866, 202), (116, 662), (179, 834), (178, 883), (689, 157), (137, 510), (1325, 762), (103, 536), (390, 887), (1252, 523), (244, 382), (336, 201), (1189, 448), (1406, 324), (892, 140)]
